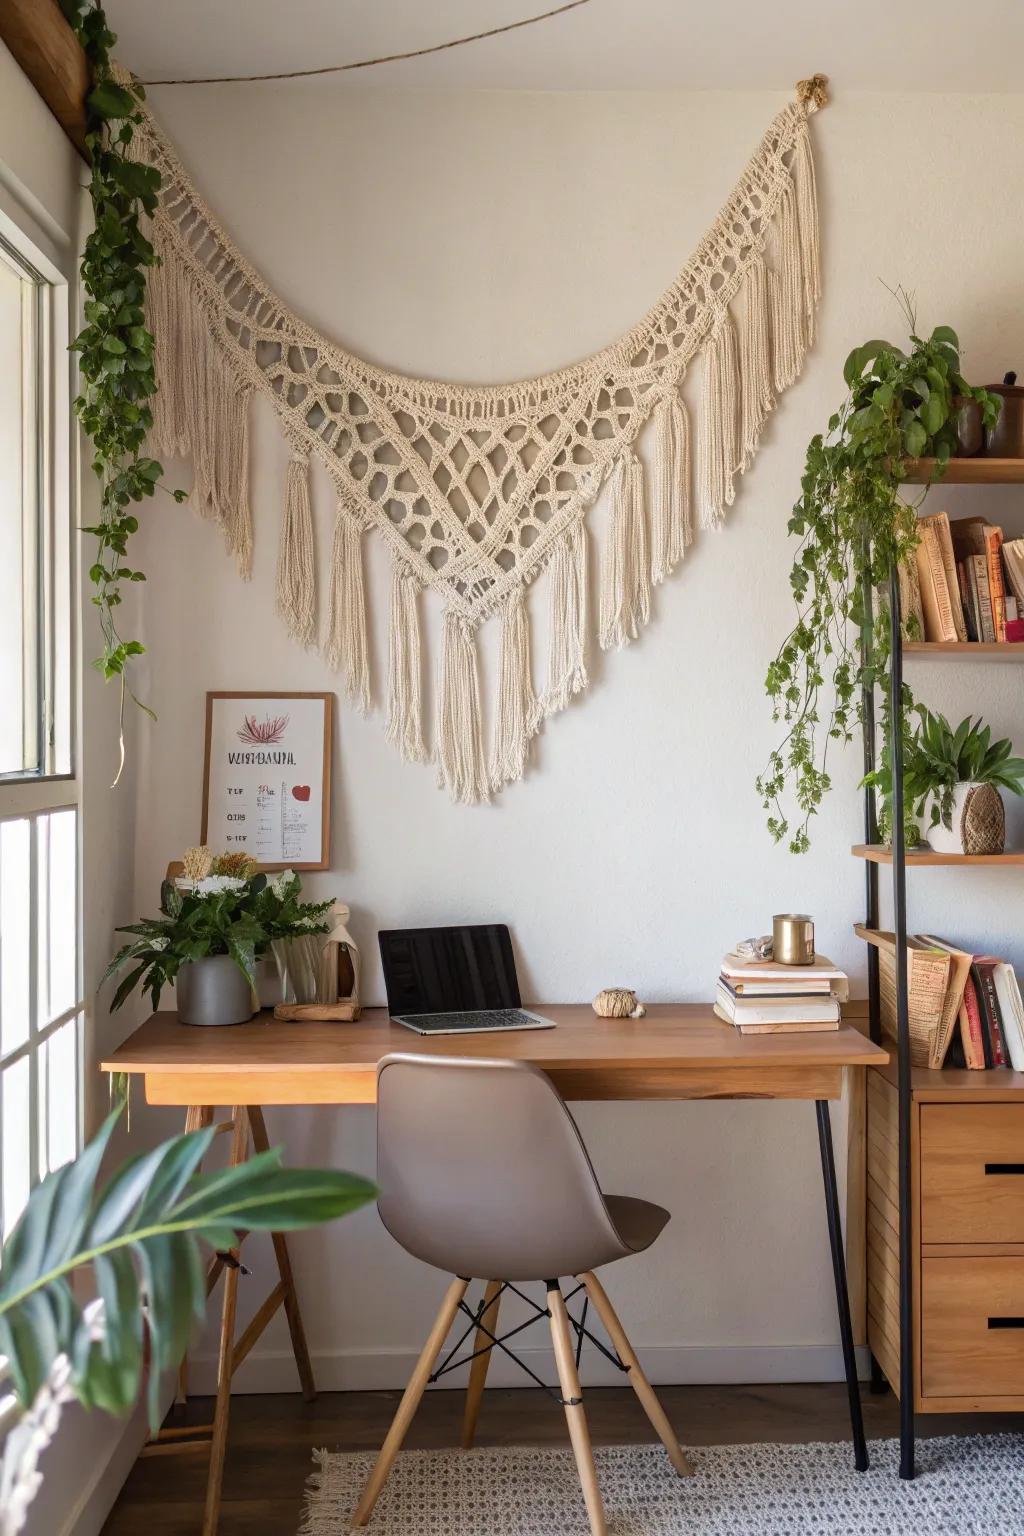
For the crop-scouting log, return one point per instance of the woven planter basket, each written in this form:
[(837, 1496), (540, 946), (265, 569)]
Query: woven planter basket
[(979, 822)]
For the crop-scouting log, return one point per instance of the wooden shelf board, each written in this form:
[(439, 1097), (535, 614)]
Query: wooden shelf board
[(978, 650), (953, 1084), (877, 853), (979, 471)]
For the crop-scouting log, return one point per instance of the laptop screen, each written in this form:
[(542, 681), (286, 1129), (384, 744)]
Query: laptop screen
[(443, 970)]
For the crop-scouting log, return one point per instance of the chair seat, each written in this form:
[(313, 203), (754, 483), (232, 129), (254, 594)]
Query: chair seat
[(638, 1222)]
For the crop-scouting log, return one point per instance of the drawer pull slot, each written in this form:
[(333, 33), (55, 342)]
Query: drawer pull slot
[(1006, 1322), (1003, 1168)]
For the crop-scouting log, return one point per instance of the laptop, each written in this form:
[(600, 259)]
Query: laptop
[(454, 981)]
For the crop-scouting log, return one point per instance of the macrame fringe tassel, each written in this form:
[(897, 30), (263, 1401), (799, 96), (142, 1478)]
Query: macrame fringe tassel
[(405, 688), (296, 579), (459, 737), (789, 318), (671, 531), (625, 578), (200, 410), (346, 646), (807, 213), (567, 622), (755, 362), (720, 423), (516, 705)]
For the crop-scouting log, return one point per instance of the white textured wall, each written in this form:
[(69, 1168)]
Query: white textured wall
[(484, 237)]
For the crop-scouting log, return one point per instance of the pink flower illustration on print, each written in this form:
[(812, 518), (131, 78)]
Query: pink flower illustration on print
[(261, 733)]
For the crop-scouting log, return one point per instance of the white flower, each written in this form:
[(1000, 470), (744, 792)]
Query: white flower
[(282, 884), (213, 885)]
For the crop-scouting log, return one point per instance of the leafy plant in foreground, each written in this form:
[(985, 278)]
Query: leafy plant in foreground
[(141, 1238), (937, 758)]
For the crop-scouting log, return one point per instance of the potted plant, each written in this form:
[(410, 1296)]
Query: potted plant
[(139, 1240), (853, 525), (955, 778), (219, 917)]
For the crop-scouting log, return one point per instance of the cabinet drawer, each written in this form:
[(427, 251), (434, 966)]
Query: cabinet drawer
[(972, 1173), (972, 1327)]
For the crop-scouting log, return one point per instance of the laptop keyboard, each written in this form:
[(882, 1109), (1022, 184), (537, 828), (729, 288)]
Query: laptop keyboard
[(479, 1018)]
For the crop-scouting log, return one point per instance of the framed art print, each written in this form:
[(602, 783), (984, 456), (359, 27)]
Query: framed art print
[(267, 777)]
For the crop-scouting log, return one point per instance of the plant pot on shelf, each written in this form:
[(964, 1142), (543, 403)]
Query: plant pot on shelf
[(213, 991), (978, 822)]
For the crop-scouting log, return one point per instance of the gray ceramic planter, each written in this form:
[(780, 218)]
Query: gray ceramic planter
[(213, 991)]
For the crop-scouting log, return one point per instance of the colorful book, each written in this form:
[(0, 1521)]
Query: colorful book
[(976, 536), (970, 1029), (983, 969)]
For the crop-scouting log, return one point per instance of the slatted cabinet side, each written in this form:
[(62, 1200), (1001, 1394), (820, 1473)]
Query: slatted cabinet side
[(883, 1226)]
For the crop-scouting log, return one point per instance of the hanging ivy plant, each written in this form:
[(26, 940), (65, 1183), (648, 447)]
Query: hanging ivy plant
[(852, 523), (115, 347)]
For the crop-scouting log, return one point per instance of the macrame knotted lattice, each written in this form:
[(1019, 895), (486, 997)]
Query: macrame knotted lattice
[(477, 490)]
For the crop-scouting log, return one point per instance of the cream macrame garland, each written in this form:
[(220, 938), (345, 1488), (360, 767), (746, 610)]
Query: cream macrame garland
[(478, 490)]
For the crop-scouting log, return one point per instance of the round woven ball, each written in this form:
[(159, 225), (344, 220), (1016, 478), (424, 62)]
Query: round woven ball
[(983, 820), (618, 1003)]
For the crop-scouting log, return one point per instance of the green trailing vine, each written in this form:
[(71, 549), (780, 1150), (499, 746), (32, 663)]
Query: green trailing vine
[(852, 524), (115, 347)]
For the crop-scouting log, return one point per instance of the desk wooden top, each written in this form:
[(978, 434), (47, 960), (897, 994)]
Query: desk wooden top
[(680, 1050)]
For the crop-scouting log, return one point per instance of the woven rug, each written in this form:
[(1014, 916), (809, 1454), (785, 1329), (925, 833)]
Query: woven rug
[(964, 1485)]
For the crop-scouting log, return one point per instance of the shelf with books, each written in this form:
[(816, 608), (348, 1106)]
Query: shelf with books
[(879, 853), (977, 650), (978, 471), (956, 1085)]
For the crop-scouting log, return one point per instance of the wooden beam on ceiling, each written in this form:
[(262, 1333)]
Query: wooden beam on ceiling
[(49, 53)]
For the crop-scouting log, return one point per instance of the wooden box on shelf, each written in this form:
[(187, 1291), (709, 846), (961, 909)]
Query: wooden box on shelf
[(967, 1212)]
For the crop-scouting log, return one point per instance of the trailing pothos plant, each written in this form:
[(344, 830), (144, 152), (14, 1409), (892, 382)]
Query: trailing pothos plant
[(853, 525), (115, 346)]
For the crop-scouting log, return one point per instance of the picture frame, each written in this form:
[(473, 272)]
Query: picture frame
[(267, 777)]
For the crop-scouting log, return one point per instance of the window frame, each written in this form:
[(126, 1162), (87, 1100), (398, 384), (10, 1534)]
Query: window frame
[(53, 782)]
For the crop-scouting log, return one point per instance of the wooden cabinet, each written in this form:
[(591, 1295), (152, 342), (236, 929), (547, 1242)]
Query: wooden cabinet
[(967, 1199)]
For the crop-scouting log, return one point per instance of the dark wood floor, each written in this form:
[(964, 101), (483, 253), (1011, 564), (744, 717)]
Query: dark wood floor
[(272, 1438)]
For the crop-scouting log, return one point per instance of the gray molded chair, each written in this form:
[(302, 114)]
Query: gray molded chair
[(482, 1173)]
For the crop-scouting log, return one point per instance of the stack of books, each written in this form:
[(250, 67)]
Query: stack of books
[(965, 583), (762, 997), (965, 1010)]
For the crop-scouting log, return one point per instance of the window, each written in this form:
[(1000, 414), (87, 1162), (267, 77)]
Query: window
[(40, 1003)]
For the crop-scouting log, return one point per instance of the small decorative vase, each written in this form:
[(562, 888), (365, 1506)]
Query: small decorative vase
[(213, 991), (979, 822)]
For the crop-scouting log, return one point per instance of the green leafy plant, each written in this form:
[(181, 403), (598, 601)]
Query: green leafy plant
[(141, 1238), (853, 524), (115, 346), (937, 757), (217, 914)]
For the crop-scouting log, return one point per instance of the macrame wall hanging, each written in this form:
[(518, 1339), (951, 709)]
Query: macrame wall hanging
[(476, 491)]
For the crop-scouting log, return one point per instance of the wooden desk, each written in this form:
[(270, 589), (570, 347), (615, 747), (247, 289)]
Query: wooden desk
[(679, 1051)]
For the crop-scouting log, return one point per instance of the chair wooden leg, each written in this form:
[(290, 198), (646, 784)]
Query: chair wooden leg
[(410, 1401), (300, 1349), (641, 1386), (579, 1434), (478, 1369), (219, 1442)]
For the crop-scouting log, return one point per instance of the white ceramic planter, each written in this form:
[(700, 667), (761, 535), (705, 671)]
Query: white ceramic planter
[(971, 806)]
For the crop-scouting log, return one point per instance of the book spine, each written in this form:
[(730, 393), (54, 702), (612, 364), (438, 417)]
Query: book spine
[(965, 600), (993, 1016), (943, 537), (940, 586), (988, 628), (973, 1040), (993, 546)]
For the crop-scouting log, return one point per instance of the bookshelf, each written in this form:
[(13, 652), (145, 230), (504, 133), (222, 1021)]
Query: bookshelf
[(976, 650), (914, 1262)]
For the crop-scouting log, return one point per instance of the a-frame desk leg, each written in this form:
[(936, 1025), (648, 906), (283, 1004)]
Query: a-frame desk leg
[(245, 1122)]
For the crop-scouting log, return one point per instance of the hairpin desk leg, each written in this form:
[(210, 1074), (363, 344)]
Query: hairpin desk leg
[(835, 1237)]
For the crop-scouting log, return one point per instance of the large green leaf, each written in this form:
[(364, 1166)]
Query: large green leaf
[(141, 1236)]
